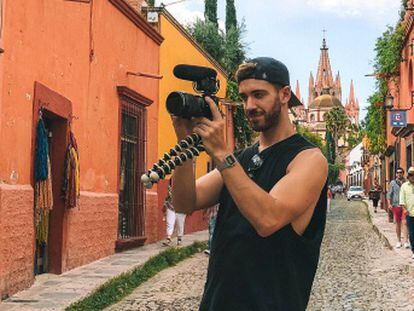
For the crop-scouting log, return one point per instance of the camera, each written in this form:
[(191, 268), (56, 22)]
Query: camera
[(205, 83)]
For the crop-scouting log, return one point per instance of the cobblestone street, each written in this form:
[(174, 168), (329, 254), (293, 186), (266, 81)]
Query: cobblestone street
[(356, 272)]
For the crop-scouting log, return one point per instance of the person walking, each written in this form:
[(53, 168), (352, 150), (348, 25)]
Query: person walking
[(329, 196), (272, 213), (375, 195), (172, 219), (393, 197), (407, 203)]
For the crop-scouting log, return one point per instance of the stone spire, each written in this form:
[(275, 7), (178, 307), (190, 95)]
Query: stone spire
[(352, 106), (338, 87), (311, 96), (297, 91), (324, 77)]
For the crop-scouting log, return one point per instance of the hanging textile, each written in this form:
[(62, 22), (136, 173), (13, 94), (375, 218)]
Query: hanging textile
[(43, 196), (71, 183)]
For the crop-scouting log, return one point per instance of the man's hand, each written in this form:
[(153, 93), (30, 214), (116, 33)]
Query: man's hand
[(212, 132)]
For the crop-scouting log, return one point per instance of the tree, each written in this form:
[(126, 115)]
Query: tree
[(210, 11), (336, 123), (209, 37), (151, 3), (231, 19), (330, 147)]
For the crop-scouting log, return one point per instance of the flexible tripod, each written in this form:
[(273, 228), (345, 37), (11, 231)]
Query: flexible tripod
[(188, 148)]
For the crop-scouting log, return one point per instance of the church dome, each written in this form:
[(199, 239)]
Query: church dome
[(325, 101)]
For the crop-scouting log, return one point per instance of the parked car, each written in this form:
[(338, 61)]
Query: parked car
[(355, 192)]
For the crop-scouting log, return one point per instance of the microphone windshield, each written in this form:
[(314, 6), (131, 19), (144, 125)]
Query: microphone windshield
[(193, 73)]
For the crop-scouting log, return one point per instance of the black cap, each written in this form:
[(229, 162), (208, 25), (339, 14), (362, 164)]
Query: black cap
[(272, 71)]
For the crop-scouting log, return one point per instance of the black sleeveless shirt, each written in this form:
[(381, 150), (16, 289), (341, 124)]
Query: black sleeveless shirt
[(249, 272)]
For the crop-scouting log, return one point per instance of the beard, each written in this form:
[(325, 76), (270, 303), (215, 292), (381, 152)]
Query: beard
[(270, 119)]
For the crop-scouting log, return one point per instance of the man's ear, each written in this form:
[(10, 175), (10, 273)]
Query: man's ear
[(285, 94)]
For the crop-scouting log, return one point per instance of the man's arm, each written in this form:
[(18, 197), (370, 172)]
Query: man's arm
[(389, 194), (189, 195), (296, 194), (402, 199)]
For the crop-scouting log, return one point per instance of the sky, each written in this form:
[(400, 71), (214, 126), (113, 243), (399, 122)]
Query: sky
[(292, 32)]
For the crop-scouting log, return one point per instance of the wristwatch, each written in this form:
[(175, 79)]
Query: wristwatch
[(229, 161)]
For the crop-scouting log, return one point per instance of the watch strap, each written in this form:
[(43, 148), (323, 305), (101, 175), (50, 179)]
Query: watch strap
[(229, 161)]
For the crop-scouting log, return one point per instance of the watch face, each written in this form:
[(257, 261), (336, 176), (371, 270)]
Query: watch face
[(230, 159)]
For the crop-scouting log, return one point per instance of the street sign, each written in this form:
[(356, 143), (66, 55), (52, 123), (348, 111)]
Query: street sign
[(398, 118)]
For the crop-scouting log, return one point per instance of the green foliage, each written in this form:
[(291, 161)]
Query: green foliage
[(242, 130), (333, 173), (231, 18), (386, 64), (121, 286), (375, 124), (210, 11), (337, 124), (330, 148), (209, 37), (388, 51), (235, 49), (314, 138), (354, 135), (151, 3)]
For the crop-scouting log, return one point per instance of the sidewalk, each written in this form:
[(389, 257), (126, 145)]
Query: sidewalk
[(386, 231), (56, 292)]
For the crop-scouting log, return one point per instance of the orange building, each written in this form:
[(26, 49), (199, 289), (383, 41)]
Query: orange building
[(180, 48), (400, 143), (80, 63)]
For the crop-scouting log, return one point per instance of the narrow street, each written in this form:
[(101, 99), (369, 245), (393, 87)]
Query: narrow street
[(356, 272)]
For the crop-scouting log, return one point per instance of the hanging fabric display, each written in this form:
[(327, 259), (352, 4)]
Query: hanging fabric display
[(71, 183), (43, 197)]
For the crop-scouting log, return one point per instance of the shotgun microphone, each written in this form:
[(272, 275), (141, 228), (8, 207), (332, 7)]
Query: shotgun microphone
[(194, 73)]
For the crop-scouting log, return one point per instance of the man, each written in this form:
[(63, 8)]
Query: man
[(375, 195), (407, 203), (272, 197), (393, 197)]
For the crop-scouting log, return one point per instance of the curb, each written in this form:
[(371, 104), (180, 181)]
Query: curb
[(381, 236), (408, 267)]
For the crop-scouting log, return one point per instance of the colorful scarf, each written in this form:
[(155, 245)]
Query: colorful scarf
[(71, 182)]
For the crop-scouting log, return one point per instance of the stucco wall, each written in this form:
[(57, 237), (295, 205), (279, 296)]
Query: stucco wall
[(83, 53), (16, 238)]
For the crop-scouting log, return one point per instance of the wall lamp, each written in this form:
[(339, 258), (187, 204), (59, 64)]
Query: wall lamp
[(389, 102)]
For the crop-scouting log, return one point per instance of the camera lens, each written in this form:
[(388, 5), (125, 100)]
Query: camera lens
[(185, 105)]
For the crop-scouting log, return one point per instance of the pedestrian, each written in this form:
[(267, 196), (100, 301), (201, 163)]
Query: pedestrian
[(393, 197), (272, 214), (172, 219), (329, 196), (375, 194), (407, 202)]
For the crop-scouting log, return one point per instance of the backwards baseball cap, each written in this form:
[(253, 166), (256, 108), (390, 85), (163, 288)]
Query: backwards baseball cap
[(272, 71)]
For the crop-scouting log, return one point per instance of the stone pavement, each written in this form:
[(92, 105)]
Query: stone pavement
[(386, 231), (56, 292), (356, 272)]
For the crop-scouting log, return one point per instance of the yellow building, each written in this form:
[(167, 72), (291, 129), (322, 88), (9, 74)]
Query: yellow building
[(180, 48)]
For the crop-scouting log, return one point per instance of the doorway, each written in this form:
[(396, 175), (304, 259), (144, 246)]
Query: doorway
[(55, 110)]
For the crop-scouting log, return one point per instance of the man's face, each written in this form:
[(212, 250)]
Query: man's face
[(410, 177), (400, 174), (262, 103)]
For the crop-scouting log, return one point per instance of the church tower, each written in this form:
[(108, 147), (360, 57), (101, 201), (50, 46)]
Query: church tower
[(324, 83), (352, 106)]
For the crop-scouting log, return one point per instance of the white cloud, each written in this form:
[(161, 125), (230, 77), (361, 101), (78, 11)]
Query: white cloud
[(371, 10), (182, 12), (356, 8)]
